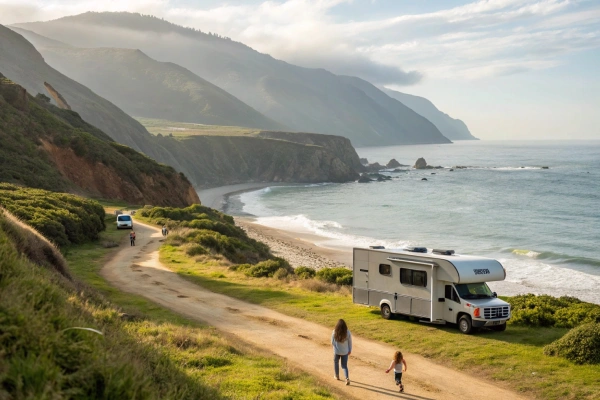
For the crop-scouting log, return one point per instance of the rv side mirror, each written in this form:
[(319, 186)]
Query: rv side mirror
[(495, 294), (441, 300)]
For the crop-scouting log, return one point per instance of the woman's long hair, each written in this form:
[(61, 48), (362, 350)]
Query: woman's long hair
[(398, 357), (340, 333)]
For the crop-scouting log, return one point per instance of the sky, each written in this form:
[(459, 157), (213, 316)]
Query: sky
[(511, 69)]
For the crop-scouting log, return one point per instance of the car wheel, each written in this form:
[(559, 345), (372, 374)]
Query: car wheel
[(465, 325), (386, 313)]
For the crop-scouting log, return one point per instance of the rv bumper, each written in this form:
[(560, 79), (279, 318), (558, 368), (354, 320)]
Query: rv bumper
[(479, 323)]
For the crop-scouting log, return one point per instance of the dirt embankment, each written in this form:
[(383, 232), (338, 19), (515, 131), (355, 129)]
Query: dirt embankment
[(100, 180)]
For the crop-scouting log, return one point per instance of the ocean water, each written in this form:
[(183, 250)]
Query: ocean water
[(542, 224)]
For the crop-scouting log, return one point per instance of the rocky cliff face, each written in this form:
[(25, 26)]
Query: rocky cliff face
[(41, 148), (221, 160)]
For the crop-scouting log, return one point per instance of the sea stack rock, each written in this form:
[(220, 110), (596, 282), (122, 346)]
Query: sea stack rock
[(393, 164), (364, 178), (420, 164), (364, 161), (375, 167)]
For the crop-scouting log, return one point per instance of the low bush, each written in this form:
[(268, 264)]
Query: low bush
[(548, 311), (210, 229), (281, 274), (268, 268), (195, 250), (62, 218), (580, 345), (305, 272), (338, 275)]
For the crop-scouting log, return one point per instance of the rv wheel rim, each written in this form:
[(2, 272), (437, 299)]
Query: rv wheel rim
[(463, 325), (386, 311)]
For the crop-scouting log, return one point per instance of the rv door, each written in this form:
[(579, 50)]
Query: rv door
[(451, 304)]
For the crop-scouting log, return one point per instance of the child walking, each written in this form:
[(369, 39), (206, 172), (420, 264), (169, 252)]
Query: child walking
[(398, 365)]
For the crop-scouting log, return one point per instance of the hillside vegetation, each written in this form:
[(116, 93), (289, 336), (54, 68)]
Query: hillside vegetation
[(51, 148), (303, 99), (63, 339), (65, 218)]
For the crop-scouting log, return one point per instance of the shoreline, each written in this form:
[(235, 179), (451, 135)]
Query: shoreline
[(217, 197)]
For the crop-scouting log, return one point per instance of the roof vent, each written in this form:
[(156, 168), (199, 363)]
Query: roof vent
[(443, 252), (416, 249), (377, 247)]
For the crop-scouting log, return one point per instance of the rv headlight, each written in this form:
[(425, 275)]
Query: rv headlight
[(477, 312)]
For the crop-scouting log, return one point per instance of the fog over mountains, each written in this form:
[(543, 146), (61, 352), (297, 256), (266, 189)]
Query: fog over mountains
[(173, 58)]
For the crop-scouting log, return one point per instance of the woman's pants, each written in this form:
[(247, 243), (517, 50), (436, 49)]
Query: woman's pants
[(336, 366)]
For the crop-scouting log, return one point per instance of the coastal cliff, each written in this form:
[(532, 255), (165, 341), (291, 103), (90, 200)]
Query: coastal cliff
[(224, 160), (46, 147)]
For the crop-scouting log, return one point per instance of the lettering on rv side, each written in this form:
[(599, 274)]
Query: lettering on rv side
[(483, 271)]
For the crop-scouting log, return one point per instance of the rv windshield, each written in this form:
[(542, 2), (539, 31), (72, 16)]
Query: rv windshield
[(474, 290)]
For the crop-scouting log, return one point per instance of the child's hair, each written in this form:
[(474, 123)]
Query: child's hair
[(398, 357)]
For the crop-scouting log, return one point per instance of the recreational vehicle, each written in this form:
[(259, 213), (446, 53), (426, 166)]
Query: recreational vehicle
[(438, 286)]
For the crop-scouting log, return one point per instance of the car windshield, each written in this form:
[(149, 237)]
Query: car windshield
[(474, 290), (124, 218)]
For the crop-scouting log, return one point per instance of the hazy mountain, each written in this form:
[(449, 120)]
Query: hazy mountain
[(44, 146), (309, 100), (453, 129), (22, 63), (144, 87)]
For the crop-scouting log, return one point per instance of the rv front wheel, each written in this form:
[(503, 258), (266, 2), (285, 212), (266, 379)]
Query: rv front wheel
[(386, 313), (465, 325)]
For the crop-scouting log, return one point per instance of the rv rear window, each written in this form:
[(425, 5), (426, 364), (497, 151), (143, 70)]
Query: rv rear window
[(385, 269), (413, 277)]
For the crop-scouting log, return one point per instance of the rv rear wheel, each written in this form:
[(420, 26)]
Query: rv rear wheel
[(465, 325), (386, 313)]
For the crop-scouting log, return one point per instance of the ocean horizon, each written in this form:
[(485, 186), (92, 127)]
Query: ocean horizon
[(542, 224)]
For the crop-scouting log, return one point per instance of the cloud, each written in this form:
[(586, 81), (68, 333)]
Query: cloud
[(479, 39)]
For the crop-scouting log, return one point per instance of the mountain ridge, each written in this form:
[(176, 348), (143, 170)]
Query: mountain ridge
[(304, 99)]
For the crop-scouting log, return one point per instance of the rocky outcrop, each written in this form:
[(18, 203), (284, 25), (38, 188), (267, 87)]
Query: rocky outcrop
[(364, 161), (393, 163), (61, 102), (374, 167), (364, 178), (420, 164), (13, 94)]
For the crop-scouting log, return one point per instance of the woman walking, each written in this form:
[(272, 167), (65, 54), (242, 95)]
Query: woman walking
[(341, 340)]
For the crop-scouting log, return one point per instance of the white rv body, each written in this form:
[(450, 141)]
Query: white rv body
[(430, 286)]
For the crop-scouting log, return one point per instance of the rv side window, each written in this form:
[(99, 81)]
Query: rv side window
[(413, 277), (385, 269), (451, 294)]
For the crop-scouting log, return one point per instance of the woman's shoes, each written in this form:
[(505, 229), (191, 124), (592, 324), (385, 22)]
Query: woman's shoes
[(347, 381), (401, 388), (337, 378)]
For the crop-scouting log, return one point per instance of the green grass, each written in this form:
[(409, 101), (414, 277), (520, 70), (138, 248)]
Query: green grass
[(185, 129), (222, 363), (514, 358)]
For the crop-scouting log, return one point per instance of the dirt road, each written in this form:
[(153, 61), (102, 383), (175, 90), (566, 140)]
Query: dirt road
[(305, 344)]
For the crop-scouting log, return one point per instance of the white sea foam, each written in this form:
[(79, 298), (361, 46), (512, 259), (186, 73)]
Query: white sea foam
[(532, 276), (332, 232)]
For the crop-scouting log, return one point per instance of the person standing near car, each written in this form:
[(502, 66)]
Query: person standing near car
[(132, 238)]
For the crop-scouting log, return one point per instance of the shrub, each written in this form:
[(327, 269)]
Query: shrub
[(195, 250), (564, 312), (580, 345), (305, 272), (338, 275), (62, 218), (280, 274), (267, 268)]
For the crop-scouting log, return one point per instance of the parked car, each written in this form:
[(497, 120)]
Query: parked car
[(124, 222)]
